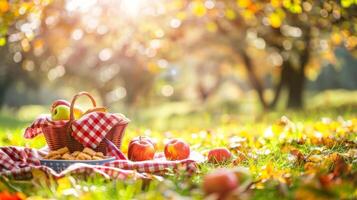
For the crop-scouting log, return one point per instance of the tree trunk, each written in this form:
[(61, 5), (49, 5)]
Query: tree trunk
[(296, 78), (295, 84), (205, 93), (4, 86), (2, 97), (292, 79), (103, 96), (278, 88), (253, 78)]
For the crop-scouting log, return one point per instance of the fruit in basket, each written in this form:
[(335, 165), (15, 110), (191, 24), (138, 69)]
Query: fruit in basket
[(96, 109), (60, 112), (177, 149), (59, 102), (219, 155), (78, 112), (141, 149), (220, 182)]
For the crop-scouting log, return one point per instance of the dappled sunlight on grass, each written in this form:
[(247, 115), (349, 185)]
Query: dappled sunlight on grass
[(293, 154), (287, 154)]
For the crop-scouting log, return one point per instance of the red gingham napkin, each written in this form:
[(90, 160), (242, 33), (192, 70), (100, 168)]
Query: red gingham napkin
[(42, 121), (113, 150), (20, 161), (93, 127), (89, 130)]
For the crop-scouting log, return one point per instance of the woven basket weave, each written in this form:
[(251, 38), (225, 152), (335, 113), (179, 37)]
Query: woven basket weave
[(60, 136)]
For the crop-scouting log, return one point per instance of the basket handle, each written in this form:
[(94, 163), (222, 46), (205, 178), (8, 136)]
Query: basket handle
[(71, 118)]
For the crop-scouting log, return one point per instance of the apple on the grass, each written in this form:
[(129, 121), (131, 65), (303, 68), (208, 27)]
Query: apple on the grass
[(219, 155), (141, 149), (145, 138), (220, 182), (177, 149)]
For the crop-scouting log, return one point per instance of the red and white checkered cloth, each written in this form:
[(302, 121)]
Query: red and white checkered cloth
[(22, 162), (93, 127), (89, 130), (113, 150), (42, 121)]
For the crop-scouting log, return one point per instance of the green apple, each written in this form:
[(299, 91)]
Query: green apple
[(60, 112), (59, 102)]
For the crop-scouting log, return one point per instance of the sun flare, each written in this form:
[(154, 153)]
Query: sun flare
[(132, 7)]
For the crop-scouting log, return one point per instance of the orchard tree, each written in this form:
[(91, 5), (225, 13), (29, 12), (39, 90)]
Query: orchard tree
[(294, 35), (121, 48), (105, 46), (19, 21)]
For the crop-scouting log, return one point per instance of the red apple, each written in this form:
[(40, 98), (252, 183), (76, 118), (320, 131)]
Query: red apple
[(177, 149), (141, 149), (219, 155), (59, 102), (143, 138), (221, 182)]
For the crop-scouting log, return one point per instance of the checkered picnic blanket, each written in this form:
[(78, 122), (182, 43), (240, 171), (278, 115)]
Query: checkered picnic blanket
[(20, 162), (89, 130)]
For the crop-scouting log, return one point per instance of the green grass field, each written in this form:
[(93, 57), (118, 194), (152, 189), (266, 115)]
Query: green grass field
[(308, 154)]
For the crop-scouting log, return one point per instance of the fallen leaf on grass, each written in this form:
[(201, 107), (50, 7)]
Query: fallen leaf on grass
[(300, 158), (340, 167), (240, 157), (314, 158), (326, 180), (5, 195)]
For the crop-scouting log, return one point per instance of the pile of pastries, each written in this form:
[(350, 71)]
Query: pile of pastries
[(65, 154)]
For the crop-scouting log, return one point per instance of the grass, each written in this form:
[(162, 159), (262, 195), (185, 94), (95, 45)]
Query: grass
[(269, 146)]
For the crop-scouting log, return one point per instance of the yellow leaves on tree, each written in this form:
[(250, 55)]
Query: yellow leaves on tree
[(275, 20), (2, 41), (249, 8), (276, 3), (243, 3), (211, 27), (4, 6), (230, 14), (198, 8), (181, 16), (176, 4), (153, 67), (293, 5), (348, 3)]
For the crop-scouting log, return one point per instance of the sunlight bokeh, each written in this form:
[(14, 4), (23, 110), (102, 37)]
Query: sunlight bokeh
[(140, 53)]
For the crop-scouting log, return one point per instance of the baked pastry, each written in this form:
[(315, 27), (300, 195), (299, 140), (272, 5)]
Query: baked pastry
[(64, 154)]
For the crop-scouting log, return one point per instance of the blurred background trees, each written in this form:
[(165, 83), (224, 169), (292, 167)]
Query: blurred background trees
[(291, 34), (146, 52)]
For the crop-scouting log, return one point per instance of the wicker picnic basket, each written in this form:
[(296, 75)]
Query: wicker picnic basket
[(58, 136)]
